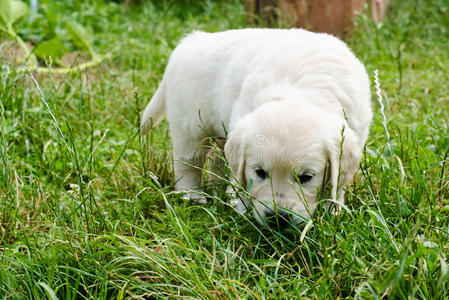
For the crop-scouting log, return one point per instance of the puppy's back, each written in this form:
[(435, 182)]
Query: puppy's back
[(213, 73)]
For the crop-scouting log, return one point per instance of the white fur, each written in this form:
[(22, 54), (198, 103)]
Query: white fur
[(284, 96)]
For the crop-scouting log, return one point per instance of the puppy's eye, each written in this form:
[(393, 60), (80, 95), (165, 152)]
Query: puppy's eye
[(261, 173), (305, 177)]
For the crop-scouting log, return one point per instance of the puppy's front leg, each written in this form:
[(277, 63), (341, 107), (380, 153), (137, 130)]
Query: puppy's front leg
[(337, 208), (188, 163)]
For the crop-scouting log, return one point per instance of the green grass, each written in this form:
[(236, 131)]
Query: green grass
[(87, 209)]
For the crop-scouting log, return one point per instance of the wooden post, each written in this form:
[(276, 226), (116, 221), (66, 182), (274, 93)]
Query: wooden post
[(332, 16)]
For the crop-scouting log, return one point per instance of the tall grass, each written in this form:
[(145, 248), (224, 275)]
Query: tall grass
[(87, 208)]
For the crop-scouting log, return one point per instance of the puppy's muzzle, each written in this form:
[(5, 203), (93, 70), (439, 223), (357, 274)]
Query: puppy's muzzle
[(279, 220)]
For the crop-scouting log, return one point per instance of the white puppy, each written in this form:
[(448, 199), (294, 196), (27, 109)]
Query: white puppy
[(296, 105)]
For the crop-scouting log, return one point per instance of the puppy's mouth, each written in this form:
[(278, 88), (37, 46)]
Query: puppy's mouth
[(282, 220), (278, 216), (279, 219)]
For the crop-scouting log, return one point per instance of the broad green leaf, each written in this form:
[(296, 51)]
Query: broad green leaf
[(5, 12), (53, 48), (19, 10), (82, 37), (11, 10)]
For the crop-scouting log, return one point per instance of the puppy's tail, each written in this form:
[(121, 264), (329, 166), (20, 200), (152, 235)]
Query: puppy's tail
[(155, 110)]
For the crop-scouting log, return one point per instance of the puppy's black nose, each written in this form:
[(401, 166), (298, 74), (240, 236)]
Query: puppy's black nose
[(281, 220)]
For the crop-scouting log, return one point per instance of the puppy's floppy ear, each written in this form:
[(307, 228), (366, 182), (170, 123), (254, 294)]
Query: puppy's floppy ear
[(344, 156), (235, 153)]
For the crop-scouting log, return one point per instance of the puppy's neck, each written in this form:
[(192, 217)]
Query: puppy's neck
[(285, 91), (278, 92)]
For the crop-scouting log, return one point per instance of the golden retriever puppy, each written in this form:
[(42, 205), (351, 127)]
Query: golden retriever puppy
[(296, 106)]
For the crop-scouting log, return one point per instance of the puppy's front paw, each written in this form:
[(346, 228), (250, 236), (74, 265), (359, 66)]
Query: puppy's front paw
[(239, 205), (236, 202), (199, 199)]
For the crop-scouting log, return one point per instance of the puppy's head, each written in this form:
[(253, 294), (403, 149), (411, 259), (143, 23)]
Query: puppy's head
[(285, 153)]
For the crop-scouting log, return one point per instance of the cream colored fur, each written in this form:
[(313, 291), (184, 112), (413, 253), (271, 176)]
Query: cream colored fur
[(286, 97)]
